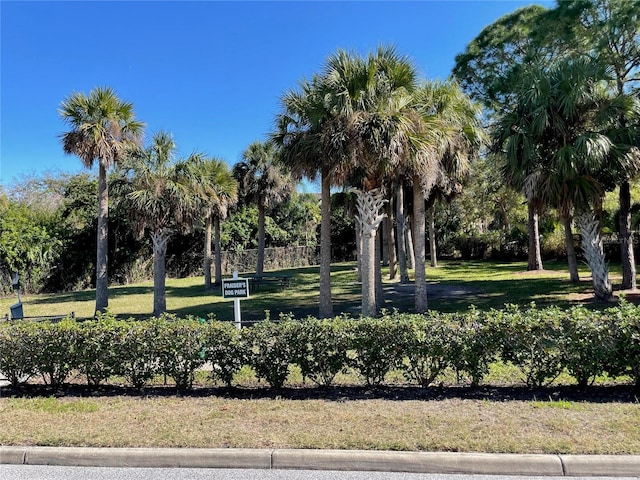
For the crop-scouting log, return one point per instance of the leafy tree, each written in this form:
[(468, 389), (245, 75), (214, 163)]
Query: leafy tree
[(490, 69), (263, 180), (27, 245), (158, 192), (102, 128)]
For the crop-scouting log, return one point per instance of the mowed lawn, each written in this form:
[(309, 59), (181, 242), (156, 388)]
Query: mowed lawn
[(605, 419), (453, 286)]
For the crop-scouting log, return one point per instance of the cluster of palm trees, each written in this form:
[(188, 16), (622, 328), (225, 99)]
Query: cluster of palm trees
[(365, 123), (370, 123), (163, 194)]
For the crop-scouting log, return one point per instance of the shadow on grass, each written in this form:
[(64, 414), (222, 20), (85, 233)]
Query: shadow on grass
[(345, 393)]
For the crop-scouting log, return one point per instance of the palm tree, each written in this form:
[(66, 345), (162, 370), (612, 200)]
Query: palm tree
[(103, 127), (158, 192), (372, 98), (263, 179), (448, 124), (563, 129), (347, 123), (307, 135), (218, 190)]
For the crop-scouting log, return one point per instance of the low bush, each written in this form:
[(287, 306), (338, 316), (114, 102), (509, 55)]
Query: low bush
[(588, 345), (98, 354), (533, 341), (377, 346), (319, 348), (474, 344), (139, 352), (181, 345), (428, 347), (17, 355), (541, 342), (55, 350), (271, 350), (226, 350)]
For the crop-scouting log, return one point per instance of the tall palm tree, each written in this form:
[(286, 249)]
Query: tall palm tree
[(218, 191), (158, 192), (346, 119), (372, 97), (264, 180), (448, 125), (103, 127), (308, 137)]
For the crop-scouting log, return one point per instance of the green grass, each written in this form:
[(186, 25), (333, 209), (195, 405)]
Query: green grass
[(485, 284)]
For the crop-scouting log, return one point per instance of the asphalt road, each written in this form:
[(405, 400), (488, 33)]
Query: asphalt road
[(43, 472)]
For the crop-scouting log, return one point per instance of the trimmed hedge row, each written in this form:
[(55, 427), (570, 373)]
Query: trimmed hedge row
[(541, 342)]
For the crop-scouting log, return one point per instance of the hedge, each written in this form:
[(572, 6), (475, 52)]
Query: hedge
[(540, 342)]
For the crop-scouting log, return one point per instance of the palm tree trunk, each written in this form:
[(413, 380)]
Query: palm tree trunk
[(593, 252), (433, 253), (326, 303), (401, 227), (378, 272), (419, 242), (391, 245), (102, 279), (535, 255), (571, 249), (207, 253), (369, 204), (411, 252), (261, 239), (358, 228), (217, 250), (626, 244), (160, 240)]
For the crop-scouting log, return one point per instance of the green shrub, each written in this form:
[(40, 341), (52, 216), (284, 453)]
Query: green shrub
[(139, 360), (319, 348), (626, 319), (533, 341), (474, 344), (225, 349), (428, 347), (377, 345), (99, 351), (271, 350), (55, 350), (588, 346), (181, 346), (17, 362)]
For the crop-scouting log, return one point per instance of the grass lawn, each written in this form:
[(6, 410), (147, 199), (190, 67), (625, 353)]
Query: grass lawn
[(605, 419), (484, 284)]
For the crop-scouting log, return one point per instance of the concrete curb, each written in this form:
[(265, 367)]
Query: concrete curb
[(351, 460), (418, 462)]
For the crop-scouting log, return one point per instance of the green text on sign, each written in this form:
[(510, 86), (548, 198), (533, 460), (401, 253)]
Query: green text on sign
[(235, 288)]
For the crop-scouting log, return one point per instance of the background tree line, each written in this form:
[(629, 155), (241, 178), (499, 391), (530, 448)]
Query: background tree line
[(560, 130)]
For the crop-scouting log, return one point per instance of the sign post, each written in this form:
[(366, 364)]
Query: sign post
[(236, 288)]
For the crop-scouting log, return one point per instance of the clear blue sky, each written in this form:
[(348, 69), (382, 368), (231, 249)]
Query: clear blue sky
[(210, 72)]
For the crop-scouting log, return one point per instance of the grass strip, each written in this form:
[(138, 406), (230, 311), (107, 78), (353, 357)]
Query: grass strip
[(461, 425)]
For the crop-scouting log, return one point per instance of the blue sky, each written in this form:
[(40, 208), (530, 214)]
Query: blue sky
[(210, 72)]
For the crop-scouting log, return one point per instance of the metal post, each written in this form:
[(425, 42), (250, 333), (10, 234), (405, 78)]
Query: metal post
[(236, 307)]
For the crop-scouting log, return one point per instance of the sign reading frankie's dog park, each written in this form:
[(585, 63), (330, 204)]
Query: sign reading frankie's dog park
[(235, 288)]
